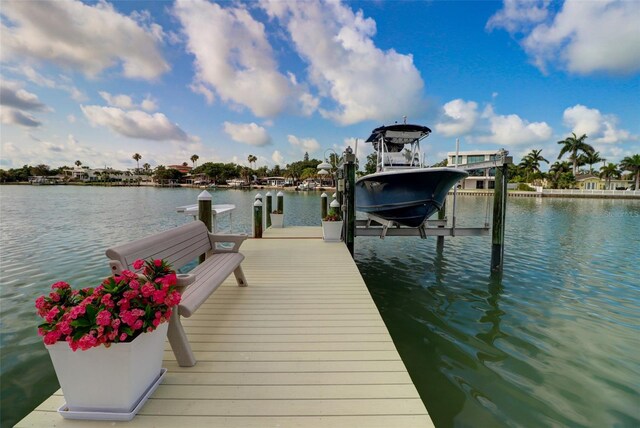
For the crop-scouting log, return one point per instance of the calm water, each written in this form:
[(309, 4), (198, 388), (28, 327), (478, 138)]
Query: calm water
[(554, 342)]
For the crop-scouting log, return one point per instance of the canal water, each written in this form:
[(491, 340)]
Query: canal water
[(554, 341)]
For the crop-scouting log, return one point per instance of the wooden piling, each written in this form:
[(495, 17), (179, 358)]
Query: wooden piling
[(280, 201), (323, 205), (499, 213), (204, 213), (350, 198), (442, 214), (257, 219), (268, 210)]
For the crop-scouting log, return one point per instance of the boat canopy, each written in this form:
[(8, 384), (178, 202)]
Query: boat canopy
[(396, 136)]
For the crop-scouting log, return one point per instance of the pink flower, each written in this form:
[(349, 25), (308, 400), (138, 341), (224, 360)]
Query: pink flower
[(138, 264), (157, 262), (148, 289), (123, 337), (76, 311), (103, 318), (65, 328), (52, 337), (159, 296), (60, 285), (52, 314)]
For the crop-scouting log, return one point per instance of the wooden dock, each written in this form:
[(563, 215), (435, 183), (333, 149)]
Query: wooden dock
[(303, 345)]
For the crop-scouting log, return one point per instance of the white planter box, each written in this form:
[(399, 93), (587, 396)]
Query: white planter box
[(332, 231), (277, 220), (110, 379)]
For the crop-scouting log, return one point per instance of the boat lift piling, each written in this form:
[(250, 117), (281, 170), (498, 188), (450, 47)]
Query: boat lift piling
[(205, 213), (268, 210), (375, 226)]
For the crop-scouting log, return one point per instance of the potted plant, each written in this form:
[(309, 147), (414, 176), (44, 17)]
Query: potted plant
[(106, 343), (277, 218), (332, 227)]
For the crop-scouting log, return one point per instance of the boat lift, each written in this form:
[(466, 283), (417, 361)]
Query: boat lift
[(376, 226)]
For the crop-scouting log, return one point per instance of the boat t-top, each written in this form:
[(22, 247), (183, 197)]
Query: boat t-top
[(403, 190)]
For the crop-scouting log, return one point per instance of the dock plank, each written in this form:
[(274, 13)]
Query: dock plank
[(302, 346)]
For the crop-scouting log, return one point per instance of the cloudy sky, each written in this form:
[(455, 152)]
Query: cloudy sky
[(100, 81)]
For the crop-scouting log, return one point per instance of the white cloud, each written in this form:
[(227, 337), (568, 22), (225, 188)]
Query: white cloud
[(308, 145), (149, 104), (9, 116), (247, 133), (52, 31), (517, 14), (71, 118), (277, 157), (12, 95), (233, 57), (364, 81), (583, 37), (135, 123), (512, 130), (121, 101), (599, 128), (16, 104), (459, 118)]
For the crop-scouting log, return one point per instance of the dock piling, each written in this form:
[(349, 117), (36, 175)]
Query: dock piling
[(442, 215), (323, 205), (204, 213), (257, 219), (280, 201), (269, 198), (499, 212), (350, 198)]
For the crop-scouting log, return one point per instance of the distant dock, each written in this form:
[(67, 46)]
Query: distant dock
[(559, 193), (303, 345)]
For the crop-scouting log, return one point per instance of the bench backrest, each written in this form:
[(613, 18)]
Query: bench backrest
[(177, 246)]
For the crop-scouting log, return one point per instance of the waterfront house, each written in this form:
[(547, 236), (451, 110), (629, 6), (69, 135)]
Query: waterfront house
[(594, 182), (478, 179)]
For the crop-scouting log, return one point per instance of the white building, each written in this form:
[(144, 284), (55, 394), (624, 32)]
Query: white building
[(478, 179)]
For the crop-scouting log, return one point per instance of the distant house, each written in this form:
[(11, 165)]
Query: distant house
[(185, 169), (594, 182), (275, 181)]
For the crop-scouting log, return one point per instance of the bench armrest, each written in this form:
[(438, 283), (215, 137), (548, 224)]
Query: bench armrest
[(236, 240)]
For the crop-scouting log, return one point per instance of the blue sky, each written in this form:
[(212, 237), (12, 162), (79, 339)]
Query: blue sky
[(100, 81)]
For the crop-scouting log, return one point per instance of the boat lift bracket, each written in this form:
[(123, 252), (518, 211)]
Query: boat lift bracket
[(376, 226)]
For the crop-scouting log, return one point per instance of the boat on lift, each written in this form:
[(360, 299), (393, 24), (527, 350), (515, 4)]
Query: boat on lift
[(403, 190)]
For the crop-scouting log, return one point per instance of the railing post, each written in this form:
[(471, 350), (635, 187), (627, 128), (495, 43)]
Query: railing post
[(499, 212), (323, 205), (204, 213), (257, 218), (268, 210)]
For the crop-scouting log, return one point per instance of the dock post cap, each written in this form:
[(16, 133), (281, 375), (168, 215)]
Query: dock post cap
[(324, 195), (268, 194), (334, 195), (334, 204), (280, 194), (257, 203), (258, 196), (204, 196)]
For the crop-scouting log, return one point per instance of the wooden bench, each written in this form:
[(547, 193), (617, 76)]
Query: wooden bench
[(180, 246)]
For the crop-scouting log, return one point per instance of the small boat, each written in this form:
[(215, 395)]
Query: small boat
[(403, 190)]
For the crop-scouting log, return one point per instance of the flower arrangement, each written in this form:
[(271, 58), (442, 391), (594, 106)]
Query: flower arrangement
[(118, 310), (332, 215)]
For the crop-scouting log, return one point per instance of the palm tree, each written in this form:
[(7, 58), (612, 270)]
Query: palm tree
[(136, 157), (590, 159), (531, 162), (252, 160), (609, 171), (78, 163), (573, 145), (194, 159), (632, 163), (146, 167)]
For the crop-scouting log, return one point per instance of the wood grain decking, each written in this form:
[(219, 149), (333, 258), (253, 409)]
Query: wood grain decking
[(302, 346)]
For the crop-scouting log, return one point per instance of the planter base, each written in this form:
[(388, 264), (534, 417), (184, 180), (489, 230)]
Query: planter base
[(113, 416)]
